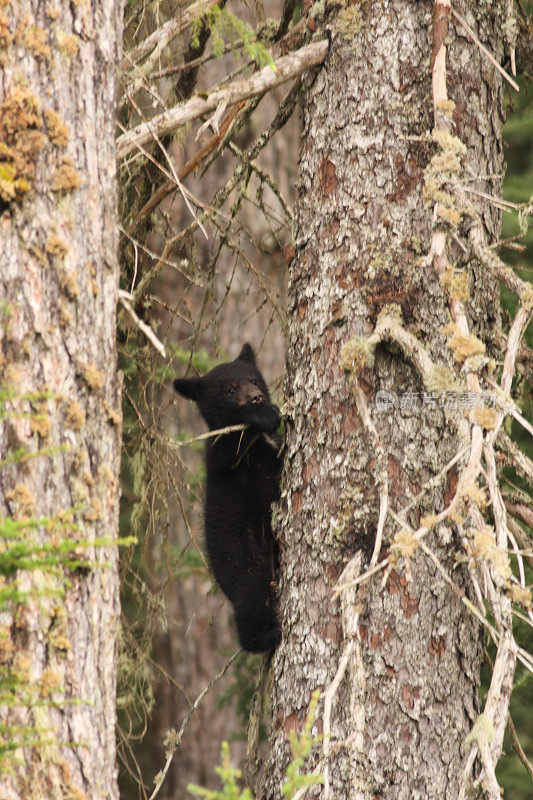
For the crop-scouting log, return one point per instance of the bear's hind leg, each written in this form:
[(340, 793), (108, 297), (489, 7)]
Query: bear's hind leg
[(257, 624)]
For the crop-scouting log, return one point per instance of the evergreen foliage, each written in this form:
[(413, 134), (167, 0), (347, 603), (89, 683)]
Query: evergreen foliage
[(223, 24)]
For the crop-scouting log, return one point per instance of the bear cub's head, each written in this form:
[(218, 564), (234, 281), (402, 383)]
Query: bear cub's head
[(232, 394)]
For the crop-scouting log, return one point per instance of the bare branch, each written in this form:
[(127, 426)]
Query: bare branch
[(432, 483), (352, 636), (162, 37), (521, 462), (286, 16), (207, 435), (284, 112), (521, 511), (175, 738), (196, 62), (494, 264), (483, 49), (524, 358), (193, 163), (125, 298), (286, 68)]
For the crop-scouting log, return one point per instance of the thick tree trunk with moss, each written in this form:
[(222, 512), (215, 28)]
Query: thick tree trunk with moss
[(407, 697), (60, 399)]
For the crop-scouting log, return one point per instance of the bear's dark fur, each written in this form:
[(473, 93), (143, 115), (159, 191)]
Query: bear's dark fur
[(242, 481)]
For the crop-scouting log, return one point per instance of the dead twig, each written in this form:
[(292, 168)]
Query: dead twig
[(483, 49), (492, 262), (351, 657), (283, 114), (208, 435), (161, 38), (125, 298), (285, 69), (521, 462), (173, 739)]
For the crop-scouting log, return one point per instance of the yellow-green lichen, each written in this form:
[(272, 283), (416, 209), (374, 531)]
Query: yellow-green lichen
[(50, 682), (88, 479), (450, 215), (447, 107), (448, 142), (428, 521), (69, 283), (74, 415), (21, 141), (463, 347), (94, 284), (66, 319), (114, 417), (457, 283), (66, 179), (443, 168), (526, 297), (94, 513), (57, 129), (7, 648), (12, 378), (440, 379), (446, 162), (56, 246), (40, 424), (403, 545), (92, 376), (60, 641), (486, 417), (68, 43), (356, 353), (521, 596), (6, 37), (348, 21), (23, 501), (22, 666), (393, 310), (484, 548), (107, 474), (475, 495), (35, 40)]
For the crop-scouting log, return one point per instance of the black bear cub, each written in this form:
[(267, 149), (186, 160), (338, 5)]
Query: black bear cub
[(242, 481)]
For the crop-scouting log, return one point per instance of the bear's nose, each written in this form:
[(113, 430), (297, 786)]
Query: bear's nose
[(256, 397)]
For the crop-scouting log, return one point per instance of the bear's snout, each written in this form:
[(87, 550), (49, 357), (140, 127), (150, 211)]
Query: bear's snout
[(250, 394)]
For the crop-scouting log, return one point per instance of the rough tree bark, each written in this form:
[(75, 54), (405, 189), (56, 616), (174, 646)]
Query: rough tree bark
[(408, 697), (60, 398)]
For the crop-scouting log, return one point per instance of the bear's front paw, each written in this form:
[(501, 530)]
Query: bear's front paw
[(271, 419)]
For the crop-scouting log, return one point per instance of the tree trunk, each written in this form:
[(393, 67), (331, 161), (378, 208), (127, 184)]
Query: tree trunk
[(60, 427), (408, 695)]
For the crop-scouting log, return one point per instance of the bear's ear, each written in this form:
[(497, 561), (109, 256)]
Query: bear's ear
[(192, 388), (247, 354)]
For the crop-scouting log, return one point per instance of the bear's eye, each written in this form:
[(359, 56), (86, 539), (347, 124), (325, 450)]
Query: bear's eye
[(230, 390), (254, 382)]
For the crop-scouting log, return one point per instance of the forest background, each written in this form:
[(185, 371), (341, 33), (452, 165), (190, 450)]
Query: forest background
[(203, 298), (223, 241)]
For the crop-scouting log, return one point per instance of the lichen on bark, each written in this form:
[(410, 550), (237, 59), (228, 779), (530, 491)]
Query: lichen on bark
[(59, 452)]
